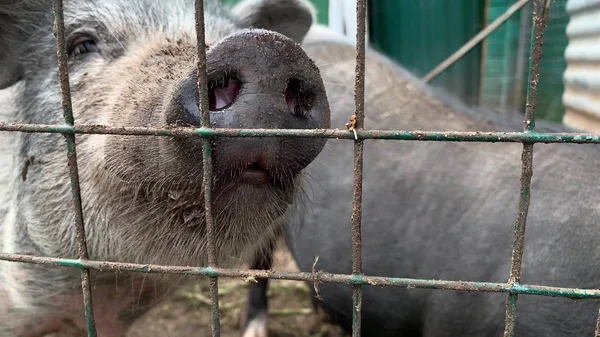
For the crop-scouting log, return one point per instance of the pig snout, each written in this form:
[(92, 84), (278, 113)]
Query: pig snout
[(256, 79), (132, 64)]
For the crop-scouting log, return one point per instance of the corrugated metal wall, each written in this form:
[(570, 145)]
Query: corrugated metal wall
[(582, 77)]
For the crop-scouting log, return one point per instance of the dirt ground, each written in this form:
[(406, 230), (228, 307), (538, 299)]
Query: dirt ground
[(188, 313)]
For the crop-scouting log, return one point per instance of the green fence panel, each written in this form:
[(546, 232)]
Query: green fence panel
[(507, 56), (420, 34), (504, 71)]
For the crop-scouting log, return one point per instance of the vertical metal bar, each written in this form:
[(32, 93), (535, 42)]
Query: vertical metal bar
[(63, 71), (597, 334), (207, 164), (359, 97), (541, 10)]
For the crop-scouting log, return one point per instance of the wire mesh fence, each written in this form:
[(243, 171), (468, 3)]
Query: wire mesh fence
[(357, 279)]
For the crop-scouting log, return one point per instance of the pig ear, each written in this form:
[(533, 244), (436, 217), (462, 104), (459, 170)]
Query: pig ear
[(292, 18)]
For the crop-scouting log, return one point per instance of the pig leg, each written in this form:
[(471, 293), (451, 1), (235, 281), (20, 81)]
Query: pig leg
[(255, 319)]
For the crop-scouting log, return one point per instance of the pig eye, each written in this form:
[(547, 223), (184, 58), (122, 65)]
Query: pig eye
[(298, 98), (82, 46), (222, 92)]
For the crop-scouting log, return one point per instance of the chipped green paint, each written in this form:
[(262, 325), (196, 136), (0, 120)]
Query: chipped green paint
[(356, 307), (207, 157), (90, 321), (597, 333), (511, 308), (209, 271), (68, 114), (319, 277), (540, 17), (438, 136), (357, 279)]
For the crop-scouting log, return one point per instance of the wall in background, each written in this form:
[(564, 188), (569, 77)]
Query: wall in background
[(420, 34), (582, 77), (506, 60)]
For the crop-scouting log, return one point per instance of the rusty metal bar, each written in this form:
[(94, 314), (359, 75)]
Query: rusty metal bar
[(541, 9), (63, 71), (207, 164), (436, 136), (319, 276), (359, 120), (474, 41), (597, 334)]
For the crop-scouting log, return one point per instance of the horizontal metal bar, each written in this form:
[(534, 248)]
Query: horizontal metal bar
[(317, 277), (452, 136)]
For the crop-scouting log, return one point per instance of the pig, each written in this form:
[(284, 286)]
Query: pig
[(133, 63), (441, 210)]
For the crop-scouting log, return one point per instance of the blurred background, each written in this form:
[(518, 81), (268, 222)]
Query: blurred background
[(420, 34)]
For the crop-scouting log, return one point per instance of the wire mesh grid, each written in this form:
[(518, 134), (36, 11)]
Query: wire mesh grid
[(357, 279)]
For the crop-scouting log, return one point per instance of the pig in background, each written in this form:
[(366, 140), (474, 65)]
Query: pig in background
[(133, 63), (442, 210)]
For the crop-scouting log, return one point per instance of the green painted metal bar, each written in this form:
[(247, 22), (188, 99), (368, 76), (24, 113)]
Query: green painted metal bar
[(541, 11), (63, 73), (203, 107), (437, 136), (597, 334), (359, 120), (316, 277)]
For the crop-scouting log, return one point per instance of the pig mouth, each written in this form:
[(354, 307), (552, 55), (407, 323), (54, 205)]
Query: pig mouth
[(258, 175), (254, 174)]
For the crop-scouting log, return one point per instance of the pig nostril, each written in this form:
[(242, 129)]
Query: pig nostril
[(222, 92), (299, 100)]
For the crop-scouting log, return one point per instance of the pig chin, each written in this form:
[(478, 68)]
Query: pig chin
[(247, 198)]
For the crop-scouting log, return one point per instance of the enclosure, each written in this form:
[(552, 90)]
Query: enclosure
[(224, 281)]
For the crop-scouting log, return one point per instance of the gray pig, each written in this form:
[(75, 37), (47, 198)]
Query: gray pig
[(442, 210), (133, 63)]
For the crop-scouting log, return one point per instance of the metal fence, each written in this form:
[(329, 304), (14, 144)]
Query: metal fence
[(528, 137)]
